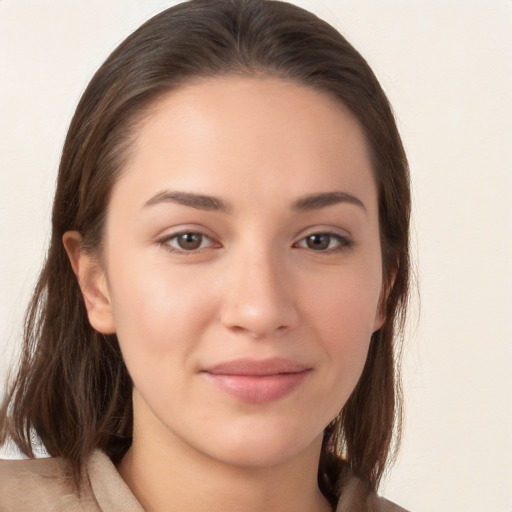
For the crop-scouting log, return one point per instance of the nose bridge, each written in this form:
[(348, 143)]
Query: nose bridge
[(259, 300)]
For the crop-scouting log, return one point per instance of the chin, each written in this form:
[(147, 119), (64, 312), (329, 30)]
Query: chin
[(260, 448)]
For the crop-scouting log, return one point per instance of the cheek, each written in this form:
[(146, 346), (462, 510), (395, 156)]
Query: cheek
[(343, 309), (346, 301), (346, 328), (158, 311)]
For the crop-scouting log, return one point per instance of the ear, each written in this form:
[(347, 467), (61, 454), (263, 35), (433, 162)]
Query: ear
[(93, 283), (380, 315)]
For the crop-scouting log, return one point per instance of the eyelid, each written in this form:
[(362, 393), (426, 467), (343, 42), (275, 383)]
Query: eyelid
[(327, 228), (345, 241), (164, 241)]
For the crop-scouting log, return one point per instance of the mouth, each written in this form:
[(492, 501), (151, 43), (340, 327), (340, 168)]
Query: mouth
[(257, 381)]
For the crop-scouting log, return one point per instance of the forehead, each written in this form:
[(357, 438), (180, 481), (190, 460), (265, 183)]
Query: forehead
[(216, 133), (235, 101)]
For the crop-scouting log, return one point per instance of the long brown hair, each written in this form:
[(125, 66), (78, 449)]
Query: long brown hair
[(72, 388)]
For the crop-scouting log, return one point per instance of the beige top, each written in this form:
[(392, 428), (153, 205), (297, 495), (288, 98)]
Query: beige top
[(42, 485)]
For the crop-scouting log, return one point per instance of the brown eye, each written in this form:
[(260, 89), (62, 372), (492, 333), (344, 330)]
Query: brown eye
[(326, 242), (189, 241), (318, 242)]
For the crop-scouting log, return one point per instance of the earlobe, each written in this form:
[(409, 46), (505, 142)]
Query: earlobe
[(380, 318), (92, 281), (380, 315)]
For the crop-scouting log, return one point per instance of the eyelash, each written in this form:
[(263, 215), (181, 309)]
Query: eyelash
[(166, 242), (342, 242)]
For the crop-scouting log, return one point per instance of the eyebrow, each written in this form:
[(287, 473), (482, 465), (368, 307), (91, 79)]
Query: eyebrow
[(198, 201), (210, 203), (324, 199)]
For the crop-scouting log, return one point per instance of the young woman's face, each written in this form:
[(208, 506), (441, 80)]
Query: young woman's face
[(243, 268)]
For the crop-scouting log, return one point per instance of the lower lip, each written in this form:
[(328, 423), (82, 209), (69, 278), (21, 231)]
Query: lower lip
[(258, 389)]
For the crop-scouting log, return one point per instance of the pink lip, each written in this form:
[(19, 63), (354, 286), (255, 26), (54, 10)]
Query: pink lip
[(258, 381)]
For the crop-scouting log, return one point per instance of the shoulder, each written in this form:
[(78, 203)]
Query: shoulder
[(41, 484), (378, 504), (355, 498)]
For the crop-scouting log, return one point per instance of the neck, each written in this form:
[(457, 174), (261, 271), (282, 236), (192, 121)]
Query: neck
[(176, 478)]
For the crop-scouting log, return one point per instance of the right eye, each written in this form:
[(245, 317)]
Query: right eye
[(187, 241)]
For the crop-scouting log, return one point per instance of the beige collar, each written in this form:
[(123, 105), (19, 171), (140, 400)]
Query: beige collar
[(109, 489)]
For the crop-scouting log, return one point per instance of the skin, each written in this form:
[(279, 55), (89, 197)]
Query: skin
[(256, 287)]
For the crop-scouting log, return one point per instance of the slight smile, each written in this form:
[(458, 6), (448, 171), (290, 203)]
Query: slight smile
[(258, 381)]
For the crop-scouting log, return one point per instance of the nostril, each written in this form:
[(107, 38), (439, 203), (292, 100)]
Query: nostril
[(258, 301)]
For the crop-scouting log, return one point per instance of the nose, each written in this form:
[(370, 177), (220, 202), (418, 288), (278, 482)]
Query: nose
[(259, 299)]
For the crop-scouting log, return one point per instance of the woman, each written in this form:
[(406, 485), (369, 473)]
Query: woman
[(215, 324)]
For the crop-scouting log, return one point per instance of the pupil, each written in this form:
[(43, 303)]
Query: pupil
[(318, 242), (190, 241)]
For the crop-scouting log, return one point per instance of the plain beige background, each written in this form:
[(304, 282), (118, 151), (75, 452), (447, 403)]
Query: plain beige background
[(447, 68)]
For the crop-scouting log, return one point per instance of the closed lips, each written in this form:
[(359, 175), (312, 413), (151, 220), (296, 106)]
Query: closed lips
[(258, 381)]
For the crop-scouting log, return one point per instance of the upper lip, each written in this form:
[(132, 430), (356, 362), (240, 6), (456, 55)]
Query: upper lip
[(257, 367)]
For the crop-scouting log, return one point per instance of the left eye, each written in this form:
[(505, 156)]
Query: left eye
[(189, 241), (323, 242)]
